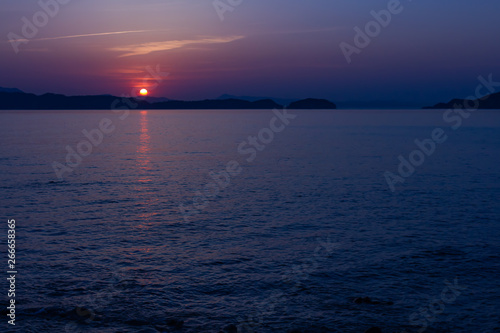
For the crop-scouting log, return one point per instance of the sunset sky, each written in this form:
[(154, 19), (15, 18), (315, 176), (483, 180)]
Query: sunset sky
[(430, 52)]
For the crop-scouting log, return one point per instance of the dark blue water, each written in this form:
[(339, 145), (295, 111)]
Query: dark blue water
[(296, 240)]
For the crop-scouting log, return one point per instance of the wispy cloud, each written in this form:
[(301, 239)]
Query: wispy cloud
[(146, 48), (96, 34)]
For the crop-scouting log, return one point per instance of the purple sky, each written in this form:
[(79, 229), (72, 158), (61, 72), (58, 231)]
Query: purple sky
[(430, 51)]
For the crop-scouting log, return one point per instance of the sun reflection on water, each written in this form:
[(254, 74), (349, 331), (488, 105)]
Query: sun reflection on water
[(144, 148), (145, 186)]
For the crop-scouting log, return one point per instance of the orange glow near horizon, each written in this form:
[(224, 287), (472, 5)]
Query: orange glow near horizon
[(143, 92)]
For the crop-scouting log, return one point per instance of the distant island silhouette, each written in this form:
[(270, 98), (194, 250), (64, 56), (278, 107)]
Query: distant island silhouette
[(487, 102), (282, 101), (15, 99), (312, 103)]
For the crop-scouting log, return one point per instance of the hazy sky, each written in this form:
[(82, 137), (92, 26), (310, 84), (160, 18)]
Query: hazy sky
[(431, 51)]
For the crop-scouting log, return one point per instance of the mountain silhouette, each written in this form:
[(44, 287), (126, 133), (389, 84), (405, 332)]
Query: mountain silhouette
[(282, 101), (487, 102), (24, 101), (14, 99), (10, 90), (312, 103)]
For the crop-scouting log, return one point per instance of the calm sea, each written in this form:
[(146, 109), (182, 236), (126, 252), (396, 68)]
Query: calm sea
[(193, 221)]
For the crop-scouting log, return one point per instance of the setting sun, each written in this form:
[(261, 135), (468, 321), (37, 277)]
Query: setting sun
[(143, 92)]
